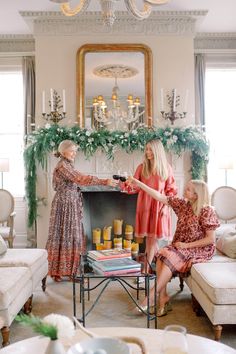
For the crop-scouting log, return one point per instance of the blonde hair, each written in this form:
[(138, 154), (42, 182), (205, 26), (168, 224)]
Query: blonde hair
[(66, 145), (203, 197), (160, 164)]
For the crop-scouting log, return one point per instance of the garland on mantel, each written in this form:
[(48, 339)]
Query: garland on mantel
[(46, 139)]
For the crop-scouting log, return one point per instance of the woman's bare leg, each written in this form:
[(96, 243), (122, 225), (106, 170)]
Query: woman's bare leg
[(163, 296), (151, 250), (163, 278)]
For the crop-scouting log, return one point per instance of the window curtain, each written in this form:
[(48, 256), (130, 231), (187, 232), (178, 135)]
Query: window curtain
[(200, 69), (28, 70)]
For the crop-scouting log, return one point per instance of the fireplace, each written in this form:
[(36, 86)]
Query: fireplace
[(104, 204)]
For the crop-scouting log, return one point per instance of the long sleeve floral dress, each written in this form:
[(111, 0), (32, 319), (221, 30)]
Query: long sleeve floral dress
[(190, 228), (153, 217), (66, 239)]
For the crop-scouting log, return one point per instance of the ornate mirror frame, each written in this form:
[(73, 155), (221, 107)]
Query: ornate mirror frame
[(99, 48)]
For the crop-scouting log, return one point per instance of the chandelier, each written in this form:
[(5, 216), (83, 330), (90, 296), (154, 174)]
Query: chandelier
[(115, 113), (108, 8)]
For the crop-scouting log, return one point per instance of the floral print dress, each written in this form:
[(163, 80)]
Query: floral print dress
[(190, 227), (66, 241)]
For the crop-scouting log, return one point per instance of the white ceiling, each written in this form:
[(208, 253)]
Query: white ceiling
[(221, 15)]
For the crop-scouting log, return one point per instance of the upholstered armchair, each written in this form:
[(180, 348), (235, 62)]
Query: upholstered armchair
[(7, 216)]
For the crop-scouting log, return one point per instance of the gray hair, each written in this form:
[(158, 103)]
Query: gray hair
[(65, 145)]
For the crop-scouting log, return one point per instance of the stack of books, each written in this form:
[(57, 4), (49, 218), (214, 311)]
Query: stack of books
[(113, 262)]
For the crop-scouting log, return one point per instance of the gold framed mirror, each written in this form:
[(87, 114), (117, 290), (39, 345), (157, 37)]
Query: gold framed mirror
[(103, 70)]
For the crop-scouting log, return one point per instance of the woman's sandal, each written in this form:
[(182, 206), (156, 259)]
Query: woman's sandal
[(162, 311)]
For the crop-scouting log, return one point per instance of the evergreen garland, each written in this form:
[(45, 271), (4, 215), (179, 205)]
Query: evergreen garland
[(44, 140)]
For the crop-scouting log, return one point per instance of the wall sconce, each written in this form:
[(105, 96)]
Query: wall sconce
[(55, 105), (4, 167), (173, 101)]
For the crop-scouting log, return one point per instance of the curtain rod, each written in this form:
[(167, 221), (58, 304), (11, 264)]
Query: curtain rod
[(215, 51)]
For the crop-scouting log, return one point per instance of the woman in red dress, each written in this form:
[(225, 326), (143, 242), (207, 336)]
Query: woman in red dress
[(66, 241), (194, 239), (152, 216)]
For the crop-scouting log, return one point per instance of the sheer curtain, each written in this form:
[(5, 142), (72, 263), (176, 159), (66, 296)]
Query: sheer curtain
[(28, 66), (200, 68), (220, 119)]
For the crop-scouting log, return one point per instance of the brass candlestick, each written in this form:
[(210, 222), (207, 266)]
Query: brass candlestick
[(173, 102), (55, 107)]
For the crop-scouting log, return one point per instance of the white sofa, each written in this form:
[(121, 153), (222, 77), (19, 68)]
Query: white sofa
[(21, 271), (213, 288)]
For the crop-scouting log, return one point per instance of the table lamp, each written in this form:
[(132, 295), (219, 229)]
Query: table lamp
[(4, 167), (226, 163)]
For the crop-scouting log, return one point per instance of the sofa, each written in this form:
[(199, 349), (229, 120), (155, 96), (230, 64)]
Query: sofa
[(21, 271), (213, 284)]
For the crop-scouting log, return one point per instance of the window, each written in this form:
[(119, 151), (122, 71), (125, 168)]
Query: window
[(12, 126), (221, 124)]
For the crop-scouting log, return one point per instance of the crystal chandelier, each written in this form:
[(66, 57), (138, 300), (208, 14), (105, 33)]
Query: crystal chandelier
[(117, 115), (108, 8)]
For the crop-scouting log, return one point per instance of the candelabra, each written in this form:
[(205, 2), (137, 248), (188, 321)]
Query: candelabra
[(173, 101), (56, 106)]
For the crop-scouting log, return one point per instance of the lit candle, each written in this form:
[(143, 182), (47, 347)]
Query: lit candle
[(174, 100), (64, 100), (186, 101), (162, 100), (43, 102), (52, 105), (149, 121)]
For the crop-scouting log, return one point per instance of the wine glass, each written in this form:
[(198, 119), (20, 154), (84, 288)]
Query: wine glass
[(174, 340)]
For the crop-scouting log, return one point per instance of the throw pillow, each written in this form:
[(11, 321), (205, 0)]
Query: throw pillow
[(3, 246), (227, 244)]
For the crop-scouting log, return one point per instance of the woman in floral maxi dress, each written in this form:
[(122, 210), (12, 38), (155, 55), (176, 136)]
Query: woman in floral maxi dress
[(194, 239), (153, 219), (66, 241)]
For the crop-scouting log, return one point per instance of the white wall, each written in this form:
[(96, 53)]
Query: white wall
[(173, 67)]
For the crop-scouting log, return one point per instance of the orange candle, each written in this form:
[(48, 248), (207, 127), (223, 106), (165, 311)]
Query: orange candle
[(107, 245), (117, 242), (117, 226), (107, 233), (97, 235)]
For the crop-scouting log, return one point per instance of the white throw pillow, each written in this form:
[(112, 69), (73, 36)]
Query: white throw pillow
[(227, 244), (3, 246)]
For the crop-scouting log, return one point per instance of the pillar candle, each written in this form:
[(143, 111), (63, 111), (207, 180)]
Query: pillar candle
[(174, 100), (52, 104), (117, 224), (64, 100), (96, 235), (107, 233), (117, 242), (162, 100)]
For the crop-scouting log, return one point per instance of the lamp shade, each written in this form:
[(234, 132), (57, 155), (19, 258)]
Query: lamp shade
[(4, 165)]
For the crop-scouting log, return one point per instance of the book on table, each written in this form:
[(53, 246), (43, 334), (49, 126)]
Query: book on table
[(132, 271), (116, 264), (109, 254)]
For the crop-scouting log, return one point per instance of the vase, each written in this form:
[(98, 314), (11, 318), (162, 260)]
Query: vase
[(55, 347)]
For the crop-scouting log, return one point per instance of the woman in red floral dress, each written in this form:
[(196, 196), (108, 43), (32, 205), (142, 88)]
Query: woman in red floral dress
[(153, 219), (194, 239), (66, 237)]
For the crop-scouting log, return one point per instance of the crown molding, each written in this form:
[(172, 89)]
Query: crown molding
[(159, 22), (11, 43), (214, 41)]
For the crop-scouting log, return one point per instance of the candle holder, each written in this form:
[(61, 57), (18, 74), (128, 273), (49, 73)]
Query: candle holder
[(56, 106), (173, 102)]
